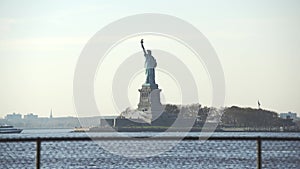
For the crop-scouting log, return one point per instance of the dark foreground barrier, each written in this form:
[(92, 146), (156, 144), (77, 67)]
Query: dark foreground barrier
[(56, 139)]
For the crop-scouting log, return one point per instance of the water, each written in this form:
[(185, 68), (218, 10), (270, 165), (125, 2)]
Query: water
[(155, 154)]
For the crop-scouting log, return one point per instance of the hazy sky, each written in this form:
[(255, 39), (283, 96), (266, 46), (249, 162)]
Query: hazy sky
[(257, 41)]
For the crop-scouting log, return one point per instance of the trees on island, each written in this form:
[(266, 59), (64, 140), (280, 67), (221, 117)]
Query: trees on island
[(236, 117), (254, 119)]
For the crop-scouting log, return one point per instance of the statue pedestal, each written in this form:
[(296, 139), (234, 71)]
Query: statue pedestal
[(150, 100), (145, 102)]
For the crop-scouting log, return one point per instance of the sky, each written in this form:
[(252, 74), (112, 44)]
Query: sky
[(257, 42)]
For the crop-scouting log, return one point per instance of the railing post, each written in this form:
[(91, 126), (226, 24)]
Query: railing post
[(258, 153), (38, 153)]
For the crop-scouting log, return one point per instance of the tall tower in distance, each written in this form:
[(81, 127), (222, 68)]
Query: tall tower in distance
[(51, 114)]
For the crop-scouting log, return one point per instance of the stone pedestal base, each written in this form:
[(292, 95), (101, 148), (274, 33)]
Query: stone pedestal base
[(150, 101), (145, 103)]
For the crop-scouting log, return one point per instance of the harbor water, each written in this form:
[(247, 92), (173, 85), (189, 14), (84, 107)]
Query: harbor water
[(148, 154)]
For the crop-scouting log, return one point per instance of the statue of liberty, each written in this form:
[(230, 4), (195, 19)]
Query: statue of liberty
[(150, 64)]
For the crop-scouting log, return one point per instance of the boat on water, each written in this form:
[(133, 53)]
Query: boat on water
[(6, 129), (81, 129)]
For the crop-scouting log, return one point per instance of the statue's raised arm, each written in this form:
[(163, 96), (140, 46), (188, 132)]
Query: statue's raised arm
[(142, 43)]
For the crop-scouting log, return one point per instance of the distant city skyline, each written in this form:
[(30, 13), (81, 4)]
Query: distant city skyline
[(257, 43), (26, 115)]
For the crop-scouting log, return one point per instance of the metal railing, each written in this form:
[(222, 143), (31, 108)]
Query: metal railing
[(38, 141)]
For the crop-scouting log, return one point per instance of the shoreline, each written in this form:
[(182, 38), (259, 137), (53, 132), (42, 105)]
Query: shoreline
[(166, 129)]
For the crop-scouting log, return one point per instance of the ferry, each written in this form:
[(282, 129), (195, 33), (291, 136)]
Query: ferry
[(6, 129)]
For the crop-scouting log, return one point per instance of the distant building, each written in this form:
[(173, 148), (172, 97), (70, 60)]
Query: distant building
[(30, 116), (288, 115), (13, 116), (108, 121)]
